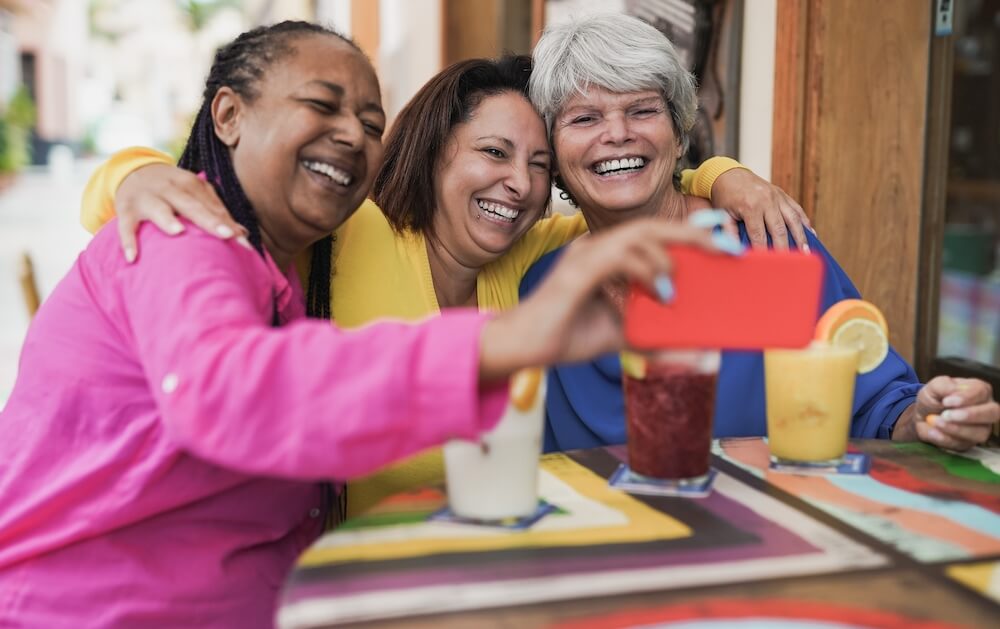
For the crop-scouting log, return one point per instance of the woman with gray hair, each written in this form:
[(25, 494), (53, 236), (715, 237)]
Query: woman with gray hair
[(618, 106)]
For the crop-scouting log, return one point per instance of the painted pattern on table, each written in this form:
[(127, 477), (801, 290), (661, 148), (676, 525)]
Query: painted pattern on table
[(939, 506), (392, 562), (982, 577), (723, 613)]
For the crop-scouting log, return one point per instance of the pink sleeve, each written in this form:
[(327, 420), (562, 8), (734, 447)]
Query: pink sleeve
[(303, 401)]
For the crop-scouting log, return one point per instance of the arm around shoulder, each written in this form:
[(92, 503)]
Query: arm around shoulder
[(98, 205)]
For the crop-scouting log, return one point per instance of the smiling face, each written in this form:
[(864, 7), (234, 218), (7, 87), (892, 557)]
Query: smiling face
[(492, 180), (616, 153), (307, 148)]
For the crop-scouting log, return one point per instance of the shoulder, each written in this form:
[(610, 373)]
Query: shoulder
[(192, 253), (537, 272)]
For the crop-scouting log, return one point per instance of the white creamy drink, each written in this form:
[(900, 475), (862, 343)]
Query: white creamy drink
[(497, 477)]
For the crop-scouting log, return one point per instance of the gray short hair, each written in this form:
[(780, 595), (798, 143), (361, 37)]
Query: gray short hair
[(614, 51)]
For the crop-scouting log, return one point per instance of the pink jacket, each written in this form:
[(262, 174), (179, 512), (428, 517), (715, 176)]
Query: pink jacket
[(160, 453)]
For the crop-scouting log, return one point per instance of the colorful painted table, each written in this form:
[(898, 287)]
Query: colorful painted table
[(915, 543)]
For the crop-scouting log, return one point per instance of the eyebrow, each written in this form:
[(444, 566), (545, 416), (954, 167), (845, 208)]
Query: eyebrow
[(496, 138), (510, 145), (338, 90), (648, 99), (645, 100)]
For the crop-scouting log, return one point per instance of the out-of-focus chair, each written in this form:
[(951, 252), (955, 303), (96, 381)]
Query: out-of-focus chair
[(29, 287)]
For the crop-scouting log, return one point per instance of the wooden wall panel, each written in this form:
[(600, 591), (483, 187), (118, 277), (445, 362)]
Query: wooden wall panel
[(791, 31), (471, 29), (365, 28), (860, 101)]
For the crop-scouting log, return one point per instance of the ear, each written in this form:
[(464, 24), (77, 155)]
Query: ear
[(227, 113)]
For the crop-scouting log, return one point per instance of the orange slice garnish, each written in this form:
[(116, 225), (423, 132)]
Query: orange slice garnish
[(524, 388), (856, 324)]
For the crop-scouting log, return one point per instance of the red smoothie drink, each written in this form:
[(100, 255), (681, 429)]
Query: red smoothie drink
[(669, 411)]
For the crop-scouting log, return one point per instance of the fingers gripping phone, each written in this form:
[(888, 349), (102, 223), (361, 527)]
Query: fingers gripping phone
[(761, 299)]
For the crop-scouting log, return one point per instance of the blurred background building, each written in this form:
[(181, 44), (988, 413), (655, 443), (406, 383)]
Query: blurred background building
[(882, 118)]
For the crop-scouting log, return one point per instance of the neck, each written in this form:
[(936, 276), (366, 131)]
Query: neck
[(454, 282), (282, 252), (671, 208)]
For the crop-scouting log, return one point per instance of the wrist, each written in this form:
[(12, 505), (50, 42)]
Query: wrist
[(499, 353), (905, 428), (709, 172)]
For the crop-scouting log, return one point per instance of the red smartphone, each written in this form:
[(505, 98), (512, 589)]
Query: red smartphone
[(761, 299)]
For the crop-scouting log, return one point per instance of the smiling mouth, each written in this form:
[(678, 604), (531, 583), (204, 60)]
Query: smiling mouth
[(329, 171), (498, 211), (621, 166)]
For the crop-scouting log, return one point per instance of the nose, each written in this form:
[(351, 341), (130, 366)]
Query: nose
[(616, 130), (349, 131), (518, 181)]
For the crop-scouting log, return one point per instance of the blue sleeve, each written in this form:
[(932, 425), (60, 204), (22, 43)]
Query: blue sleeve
[(880, 396)]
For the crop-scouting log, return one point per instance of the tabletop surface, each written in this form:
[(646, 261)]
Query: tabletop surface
[(914, 543)]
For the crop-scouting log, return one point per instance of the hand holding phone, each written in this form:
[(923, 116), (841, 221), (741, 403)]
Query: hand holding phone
[(761, 299)]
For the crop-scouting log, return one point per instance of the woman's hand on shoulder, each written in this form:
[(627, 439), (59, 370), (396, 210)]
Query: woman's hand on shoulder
[(159, 193), (952, 413), (763, 207)]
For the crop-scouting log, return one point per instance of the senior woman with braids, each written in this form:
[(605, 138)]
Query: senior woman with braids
[(612, 91), (161, 452)]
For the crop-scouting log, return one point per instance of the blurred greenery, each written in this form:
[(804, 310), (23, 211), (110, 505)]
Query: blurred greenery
[(195, 13), (199, 12), (15, 128)]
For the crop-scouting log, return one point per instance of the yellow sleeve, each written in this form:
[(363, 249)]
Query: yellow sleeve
[(699, 182), (98, 206)]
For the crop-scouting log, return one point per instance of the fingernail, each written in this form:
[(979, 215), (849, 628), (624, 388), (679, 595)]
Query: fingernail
[(952, 400), (805, 247), (246, 243), (175, 228), (727, 244), (962, 386), (708, 218), (224, 231), (934, 433), (932, 418), (955, 415), (664, 289), (813, 230), (129, 255), (203, 176)]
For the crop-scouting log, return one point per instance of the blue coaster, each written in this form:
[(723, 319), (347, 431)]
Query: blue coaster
[(854, 463), (633, 483), (514, 524)]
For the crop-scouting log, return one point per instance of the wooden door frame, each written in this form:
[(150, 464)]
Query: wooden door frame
[(932, 220)]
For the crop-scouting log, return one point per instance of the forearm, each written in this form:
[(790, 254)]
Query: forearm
[(98, 203), (699, 182)]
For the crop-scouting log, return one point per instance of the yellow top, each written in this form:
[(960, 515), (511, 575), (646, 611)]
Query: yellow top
[(379, 274)]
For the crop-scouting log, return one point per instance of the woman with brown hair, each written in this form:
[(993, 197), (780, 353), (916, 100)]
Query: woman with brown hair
[(461, 194)]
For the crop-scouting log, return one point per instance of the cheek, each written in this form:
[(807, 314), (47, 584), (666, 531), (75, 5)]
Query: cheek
[(541, 187)]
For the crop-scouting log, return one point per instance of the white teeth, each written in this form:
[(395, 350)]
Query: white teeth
[(501, 211), (613, 165), (326, 169)]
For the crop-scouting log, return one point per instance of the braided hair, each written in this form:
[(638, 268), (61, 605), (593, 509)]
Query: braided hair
[(240, 65)]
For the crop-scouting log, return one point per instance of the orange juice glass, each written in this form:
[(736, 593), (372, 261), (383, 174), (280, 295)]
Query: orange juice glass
[(809, 397)]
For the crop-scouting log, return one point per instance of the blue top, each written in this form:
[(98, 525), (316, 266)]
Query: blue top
[(585, 406)]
